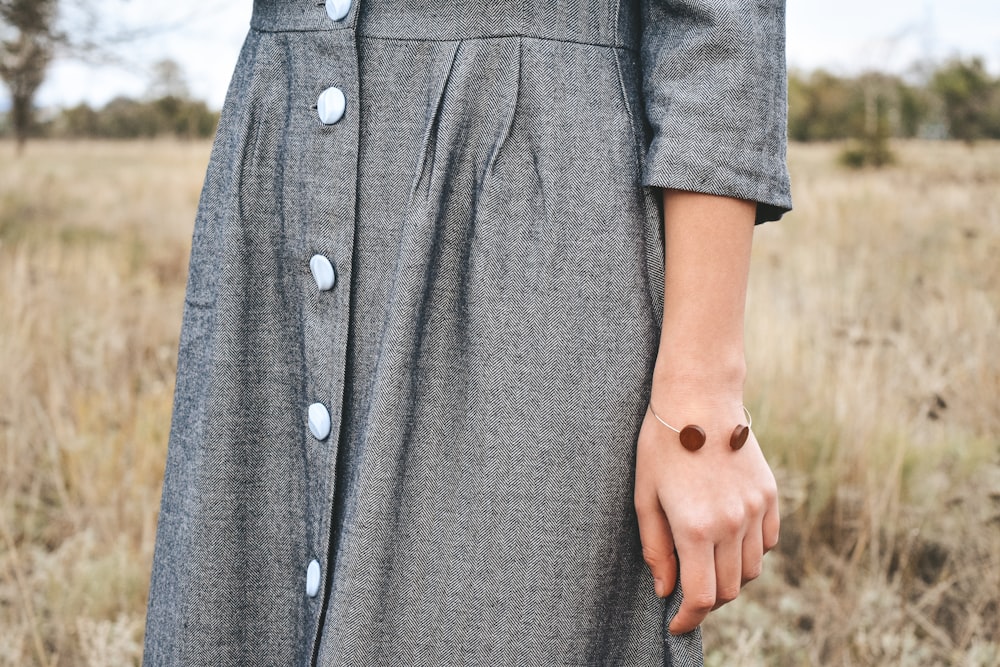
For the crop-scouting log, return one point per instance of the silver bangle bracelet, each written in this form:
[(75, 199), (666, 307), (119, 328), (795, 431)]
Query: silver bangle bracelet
[(693, 436)]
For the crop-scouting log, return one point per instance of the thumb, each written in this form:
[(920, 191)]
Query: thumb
[(657, 544)]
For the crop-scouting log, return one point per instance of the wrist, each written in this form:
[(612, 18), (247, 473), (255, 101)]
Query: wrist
[(710, 397), (719, 369)]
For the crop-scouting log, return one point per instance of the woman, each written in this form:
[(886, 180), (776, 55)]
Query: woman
[(448, 260)]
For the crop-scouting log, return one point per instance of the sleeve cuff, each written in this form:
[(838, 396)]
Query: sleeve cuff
[(740, 176)]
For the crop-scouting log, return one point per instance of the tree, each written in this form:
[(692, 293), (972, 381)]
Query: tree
[(34, 32), (970, 96), (28, 40), (824, 107), (168, 80)]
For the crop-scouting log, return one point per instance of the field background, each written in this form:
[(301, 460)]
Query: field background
[(873, 345)]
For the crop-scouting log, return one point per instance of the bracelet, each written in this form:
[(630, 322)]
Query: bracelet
[(693, 436)]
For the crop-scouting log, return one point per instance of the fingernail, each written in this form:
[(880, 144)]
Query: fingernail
[(658, 587)]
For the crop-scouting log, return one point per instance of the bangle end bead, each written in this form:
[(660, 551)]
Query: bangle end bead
[(739, 437), (692, 437)]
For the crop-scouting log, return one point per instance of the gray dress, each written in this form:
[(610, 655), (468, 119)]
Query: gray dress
[(423, 307)]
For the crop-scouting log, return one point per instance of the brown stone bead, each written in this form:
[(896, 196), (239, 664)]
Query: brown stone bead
[(739, 437), (692, 437)]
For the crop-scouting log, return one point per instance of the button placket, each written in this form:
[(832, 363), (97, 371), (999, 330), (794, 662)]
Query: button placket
[(328, 133)]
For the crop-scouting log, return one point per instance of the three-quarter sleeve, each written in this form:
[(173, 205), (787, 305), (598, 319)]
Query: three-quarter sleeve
[(715, 93)]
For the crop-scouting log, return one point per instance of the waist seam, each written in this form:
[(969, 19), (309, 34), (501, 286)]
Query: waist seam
[(375, 35), (497, 36)]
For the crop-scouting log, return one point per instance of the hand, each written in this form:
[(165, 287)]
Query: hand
[(716, 507)]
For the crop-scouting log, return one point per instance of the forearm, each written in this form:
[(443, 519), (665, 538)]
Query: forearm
[(708, 240)]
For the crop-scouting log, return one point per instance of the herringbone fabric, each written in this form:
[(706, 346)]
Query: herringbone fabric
[(485, 354)]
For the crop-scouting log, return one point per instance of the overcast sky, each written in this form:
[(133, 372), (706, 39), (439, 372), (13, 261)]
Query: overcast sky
[(204, 36)]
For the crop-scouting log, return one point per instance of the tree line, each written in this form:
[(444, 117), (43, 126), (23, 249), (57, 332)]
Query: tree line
[(127, 118), (954, 99), (959, 99), (166, 109)]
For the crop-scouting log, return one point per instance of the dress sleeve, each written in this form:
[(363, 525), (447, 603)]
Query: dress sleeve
[(715, 91)]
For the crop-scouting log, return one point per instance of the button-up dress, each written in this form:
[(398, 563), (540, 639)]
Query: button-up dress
[(421, 318)]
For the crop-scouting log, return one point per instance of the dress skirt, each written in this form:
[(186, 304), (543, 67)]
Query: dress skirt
[(417, 345)]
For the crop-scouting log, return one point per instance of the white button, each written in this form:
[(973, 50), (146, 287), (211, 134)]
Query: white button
[(312, 578), (319, 421), (322, 271), (337, 9), (331, 105)]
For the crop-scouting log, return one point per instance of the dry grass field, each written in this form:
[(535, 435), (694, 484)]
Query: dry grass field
[(873, 342)]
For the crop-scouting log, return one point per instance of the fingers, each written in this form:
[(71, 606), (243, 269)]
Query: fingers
[(753, 554), (731, 563), (771, 526), (753, 539), (728, 572), (657, 544), (698, 580)]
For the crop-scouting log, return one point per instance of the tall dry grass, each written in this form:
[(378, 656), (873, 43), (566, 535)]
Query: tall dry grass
[(874, 373), (874, 366), (93, 244)]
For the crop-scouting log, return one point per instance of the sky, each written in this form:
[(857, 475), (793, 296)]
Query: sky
[(205, 36)]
